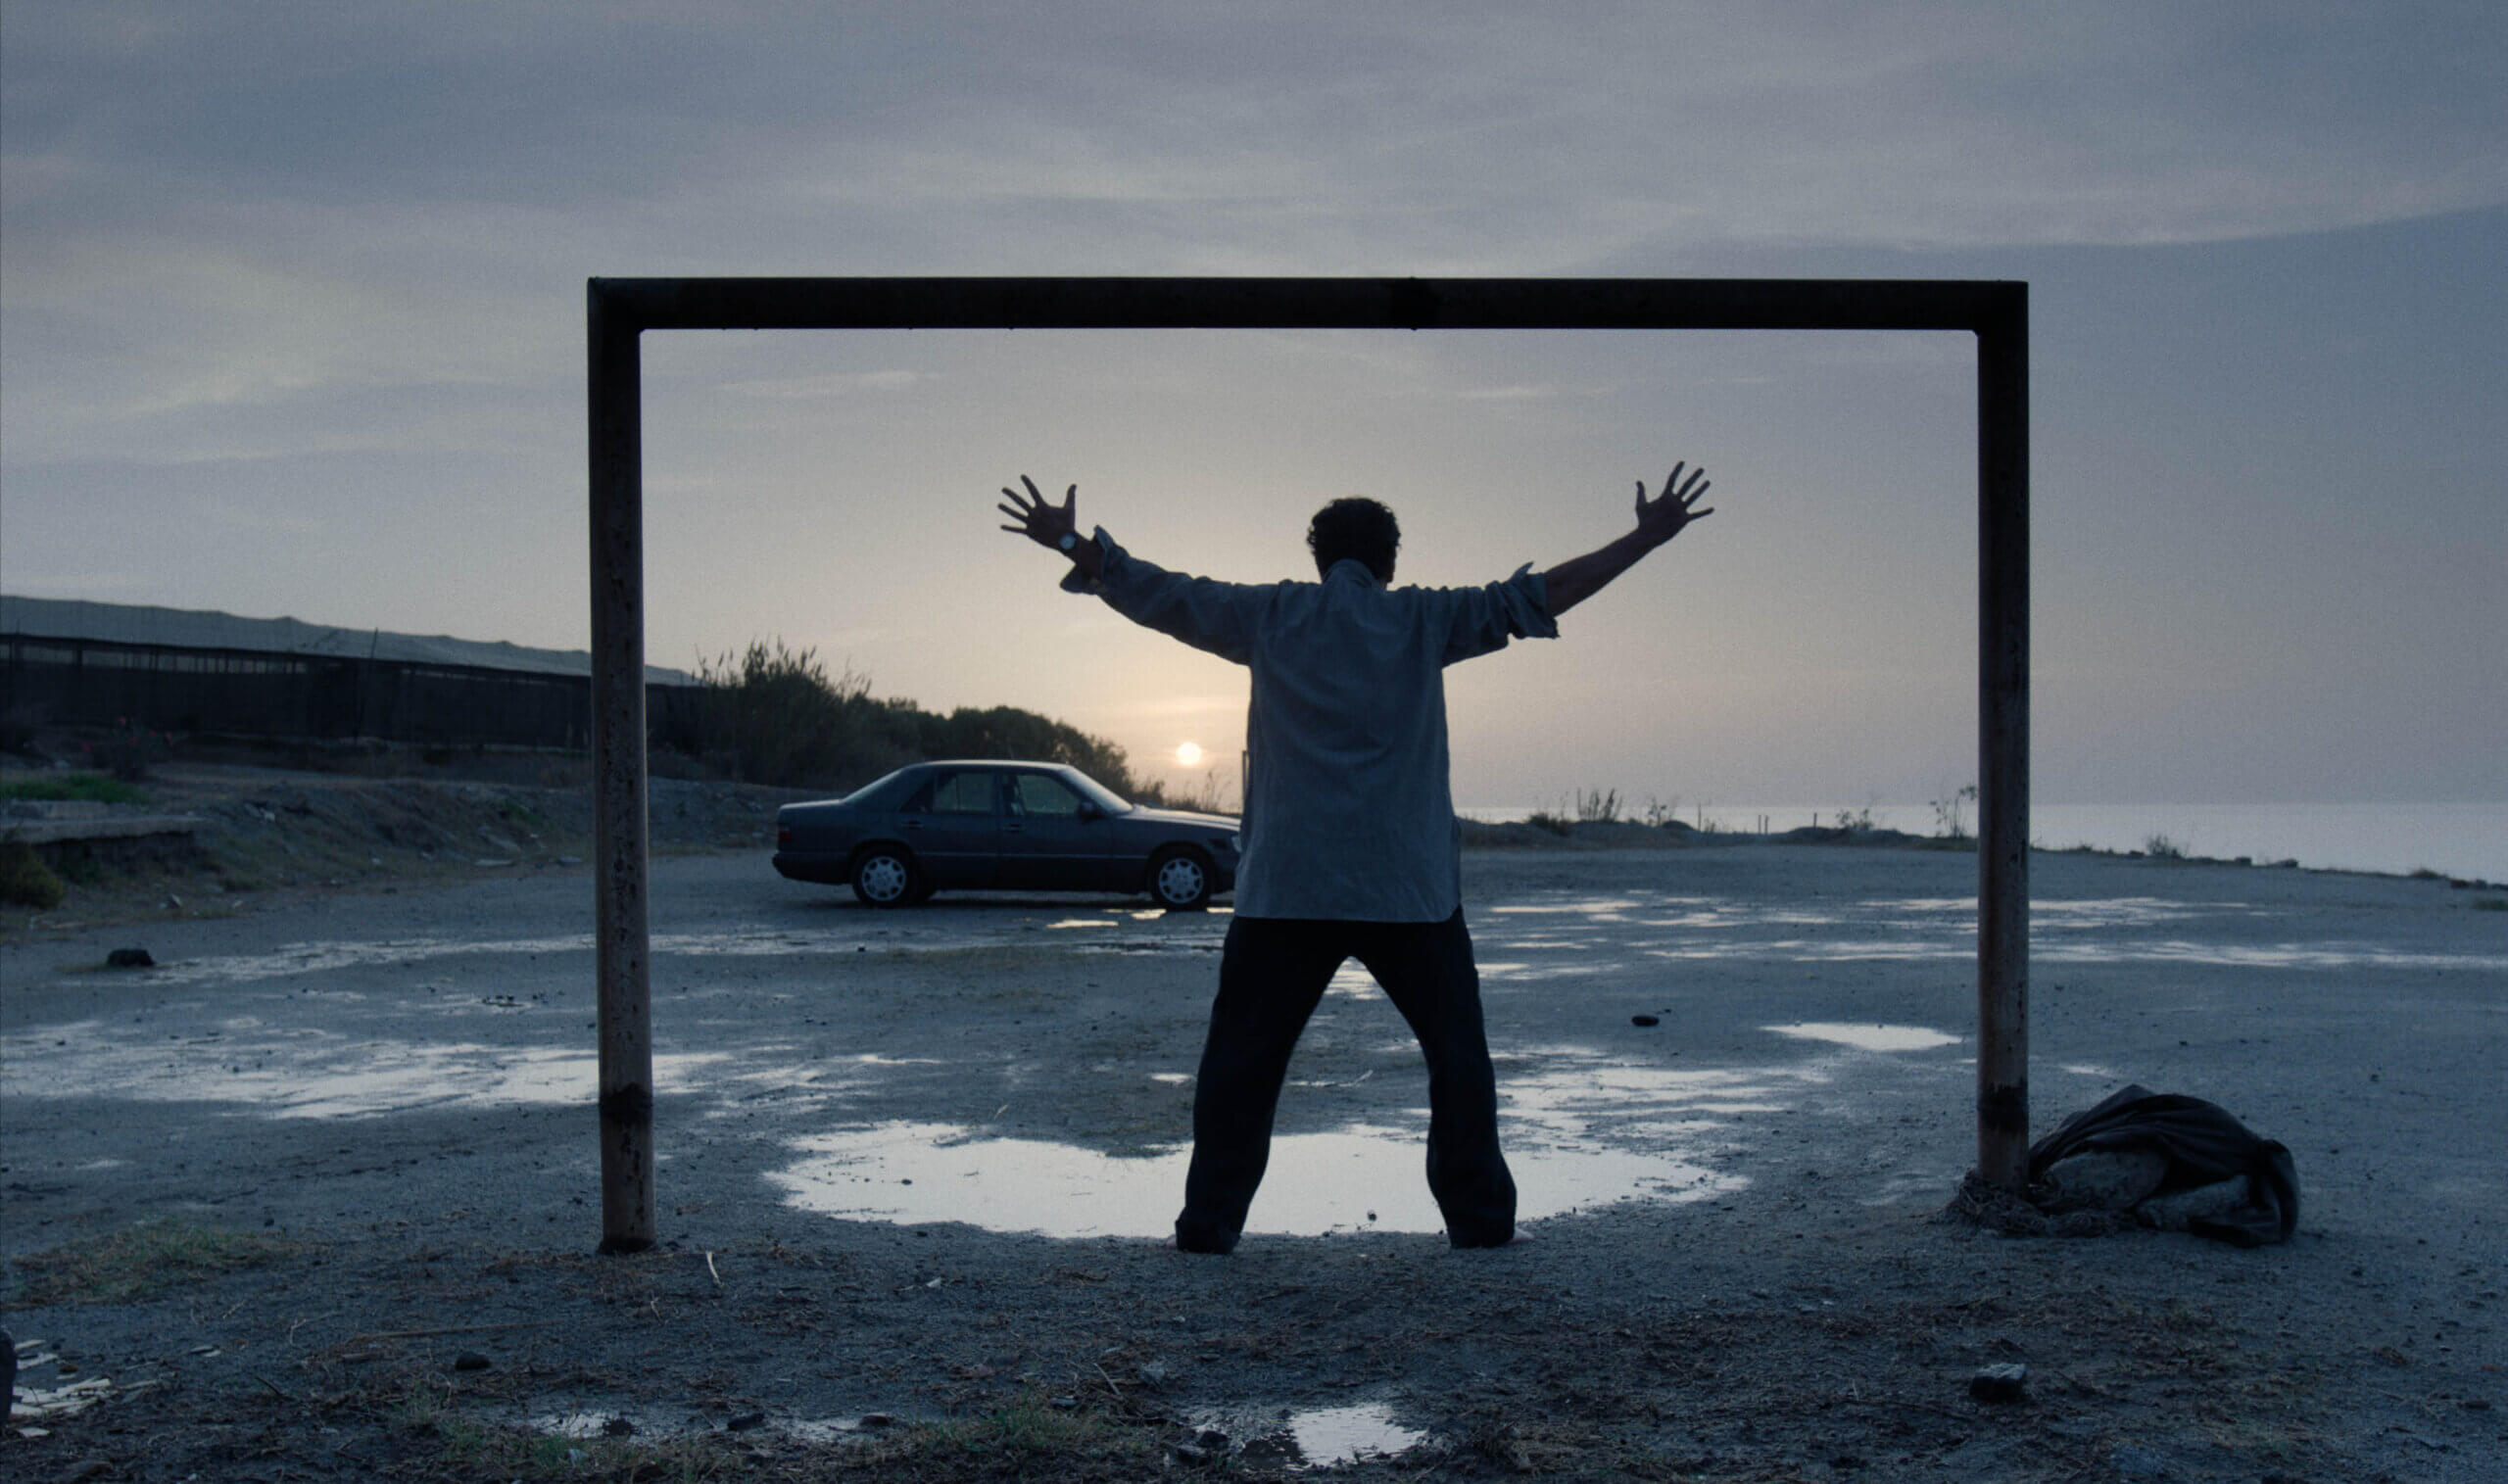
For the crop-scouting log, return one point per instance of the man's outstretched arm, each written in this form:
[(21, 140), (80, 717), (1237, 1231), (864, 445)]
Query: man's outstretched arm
[(1659, 520), (1048, 525)]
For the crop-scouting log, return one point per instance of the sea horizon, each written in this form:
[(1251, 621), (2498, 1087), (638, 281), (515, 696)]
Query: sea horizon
[(2461, 841)]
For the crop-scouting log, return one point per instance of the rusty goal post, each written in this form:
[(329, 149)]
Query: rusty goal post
[(620, 309)]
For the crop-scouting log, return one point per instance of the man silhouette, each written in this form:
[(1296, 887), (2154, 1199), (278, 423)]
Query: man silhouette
[(1351, 846)]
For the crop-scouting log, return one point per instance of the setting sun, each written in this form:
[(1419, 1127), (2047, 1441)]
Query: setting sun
[(1189, 755)]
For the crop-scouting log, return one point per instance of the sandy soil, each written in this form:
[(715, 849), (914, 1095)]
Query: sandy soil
[(349, 1129)]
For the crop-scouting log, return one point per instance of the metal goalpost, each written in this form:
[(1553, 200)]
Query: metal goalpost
[(620, 309)]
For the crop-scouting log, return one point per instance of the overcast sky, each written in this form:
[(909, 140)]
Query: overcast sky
[(291, 323)]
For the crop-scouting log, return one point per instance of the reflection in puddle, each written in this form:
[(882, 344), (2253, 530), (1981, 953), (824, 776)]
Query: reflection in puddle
[(1868, 1038), (1330, 1436), (1580, 1135)]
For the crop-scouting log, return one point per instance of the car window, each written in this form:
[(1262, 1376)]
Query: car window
[(970, 792), (1036, 793)]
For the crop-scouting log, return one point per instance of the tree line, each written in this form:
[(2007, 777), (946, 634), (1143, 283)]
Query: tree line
[(776, 715)]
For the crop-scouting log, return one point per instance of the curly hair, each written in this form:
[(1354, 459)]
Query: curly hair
[(1354, 527)]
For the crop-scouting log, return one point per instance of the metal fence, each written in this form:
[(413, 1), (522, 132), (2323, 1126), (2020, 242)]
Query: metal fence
[(49, 681)]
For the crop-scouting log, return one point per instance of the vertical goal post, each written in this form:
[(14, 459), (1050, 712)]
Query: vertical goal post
[(621, 309)]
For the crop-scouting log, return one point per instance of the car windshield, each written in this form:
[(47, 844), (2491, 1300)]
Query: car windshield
[(1096, 793)]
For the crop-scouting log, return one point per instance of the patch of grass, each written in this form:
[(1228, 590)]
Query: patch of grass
[(2490, 904), (75, 788), (428, 1408), (1029, 1440), (25, 880), (143, 1262), (1029, 1437)]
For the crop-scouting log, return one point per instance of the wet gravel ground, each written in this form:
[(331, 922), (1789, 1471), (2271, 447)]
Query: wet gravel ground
[(909, 1161)]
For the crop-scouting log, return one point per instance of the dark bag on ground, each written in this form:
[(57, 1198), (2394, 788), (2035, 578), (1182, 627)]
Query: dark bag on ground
[(2172, 1161)]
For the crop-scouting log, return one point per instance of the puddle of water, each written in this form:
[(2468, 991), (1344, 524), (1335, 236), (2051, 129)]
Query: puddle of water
[(594, 1422), (2266, 956), (1175, 931), (1581, 1134), (307, 1075), (1357, 1179), (1599, 907), (1904, 929), (1330, 1436), (1868, 1038)]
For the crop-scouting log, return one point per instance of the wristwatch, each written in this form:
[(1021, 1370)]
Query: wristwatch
[(1069, 543)]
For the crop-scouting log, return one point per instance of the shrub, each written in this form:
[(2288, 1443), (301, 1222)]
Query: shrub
[(1597, 807), (25, 880), (1950, 815)]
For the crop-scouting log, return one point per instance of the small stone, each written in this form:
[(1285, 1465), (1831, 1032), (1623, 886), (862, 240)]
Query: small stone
[(878, 1419), (1213, 1439), (1644, 1020), (1999, 1383), (130, 958), (747, 1422), (618, 1428), (1191, 1456), (470, 1360), (1066, 1404)]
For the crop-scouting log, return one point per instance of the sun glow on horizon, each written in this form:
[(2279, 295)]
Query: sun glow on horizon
[(1188, 755)]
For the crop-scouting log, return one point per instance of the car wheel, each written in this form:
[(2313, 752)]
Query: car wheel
[(883, 875), (1179, 879)]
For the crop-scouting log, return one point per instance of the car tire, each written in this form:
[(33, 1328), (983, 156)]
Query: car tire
[(1179, 879), (885, 875)]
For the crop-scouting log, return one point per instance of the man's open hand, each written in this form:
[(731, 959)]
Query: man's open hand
[(1044, 522), (1662, 519)]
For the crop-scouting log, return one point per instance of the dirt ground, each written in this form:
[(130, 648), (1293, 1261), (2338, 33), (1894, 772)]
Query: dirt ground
[(316, 1197)]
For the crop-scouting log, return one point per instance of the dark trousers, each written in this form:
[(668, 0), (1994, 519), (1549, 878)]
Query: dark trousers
[(1271, 978)]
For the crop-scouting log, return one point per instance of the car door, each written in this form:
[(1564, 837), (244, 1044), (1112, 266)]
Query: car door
[(1051, 843), (953, 826)]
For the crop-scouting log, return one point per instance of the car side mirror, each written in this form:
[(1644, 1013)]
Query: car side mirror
[(1089, 811)]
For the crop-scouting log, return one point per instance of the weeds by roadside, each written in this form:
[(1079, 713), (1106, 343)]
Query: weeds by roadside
[(142, 1262), (73, 788)]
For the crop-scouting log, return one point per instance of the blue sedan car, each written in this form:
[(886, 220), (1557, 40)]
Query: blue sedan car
[(1003, 826)]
